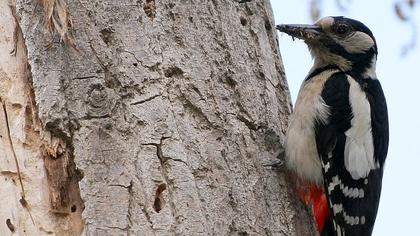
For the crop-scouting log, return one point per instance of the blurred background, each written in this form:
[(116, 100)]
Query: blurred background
[(398, 69)]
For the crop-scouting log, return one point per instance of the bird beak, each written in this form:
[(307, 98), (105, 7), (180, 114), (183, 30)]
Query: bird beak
[(305, 32)]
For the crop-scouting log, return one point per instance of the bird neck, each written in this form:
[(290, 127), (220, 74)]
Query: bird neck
[(360, 64), (358, 68)]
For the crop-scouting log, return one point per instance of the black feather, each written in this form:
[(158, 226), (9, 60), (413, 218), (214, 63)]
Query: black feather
[(331, 139)]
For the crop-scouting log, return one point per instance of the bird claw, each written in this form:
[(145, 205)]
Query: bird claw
[(279, 163), (280, 153), (275, 165)]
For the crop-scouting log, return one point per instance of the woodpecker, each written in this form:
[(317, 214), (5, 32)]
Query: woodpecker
[(337, 139)]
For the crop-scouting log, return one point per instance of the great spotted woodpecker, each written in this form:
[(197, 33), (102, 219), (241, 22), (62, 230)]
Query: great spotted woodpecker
[(337, 139)]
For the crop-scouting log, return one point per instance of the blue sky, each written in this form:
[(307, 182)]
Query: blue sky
[(399, 208)]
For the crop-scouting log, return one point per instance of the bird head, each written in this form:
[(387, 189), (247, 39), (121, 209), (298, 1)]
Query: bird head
[(338, 41)]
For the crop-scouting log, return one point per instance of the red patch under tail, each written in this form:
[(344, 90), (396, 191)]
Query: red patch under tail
[(314, 196)]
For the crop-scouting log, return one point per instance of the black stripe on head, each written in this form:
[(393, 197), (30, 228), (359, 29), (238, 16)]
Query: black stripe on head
[(360, 61)]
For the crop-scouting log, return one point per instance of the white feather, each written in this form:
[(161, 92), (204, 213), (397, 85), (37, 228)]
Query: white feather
[(371, 70), (362, 220), (359, 42), (301, 152), (358, 153), (339, 230), (337, 208)]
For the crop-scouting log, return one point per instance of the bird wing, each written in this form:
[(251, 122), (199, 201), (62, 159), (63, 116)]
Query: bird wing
[(351, 152)]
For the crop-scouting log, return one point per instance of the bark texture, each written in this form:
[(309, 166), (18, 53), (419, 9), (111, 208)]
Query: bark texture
[(165, 111)]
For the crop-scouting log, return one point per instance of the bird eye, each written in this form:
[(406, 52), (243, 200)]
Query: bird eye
[(342, 29)]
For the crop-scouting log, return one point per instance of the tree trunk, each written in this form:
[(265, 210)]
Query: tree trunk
[(143, 118)]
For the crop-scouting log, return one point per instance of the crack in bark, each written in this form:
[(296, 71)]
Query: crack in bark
[(85, 77), (143, 206), (163, 159), (145, 100), (195, 110), (251, 125), (12, 148), (154, 67), (113, 227), (101, 63), (121, 185), (15, 30), (143, 209), (130, 206), (159, 153)]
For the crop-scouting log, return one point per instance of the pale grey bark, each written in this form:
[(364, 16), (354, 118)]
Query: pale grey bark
[(166, 112)]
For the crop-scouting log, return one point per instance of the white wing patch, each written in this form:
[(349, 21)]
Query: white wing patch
[(358, 153)]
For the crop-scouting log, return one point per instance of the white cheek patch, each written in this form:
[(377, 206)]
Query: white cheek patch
[(359, 151), (358, 42)]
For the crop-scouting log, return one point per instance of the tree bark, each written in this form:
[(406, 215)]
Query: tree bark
[(143, 118)]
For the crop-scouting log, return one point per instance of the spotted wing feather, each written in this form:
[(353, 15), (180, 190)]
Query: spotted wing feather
[(353, 202)]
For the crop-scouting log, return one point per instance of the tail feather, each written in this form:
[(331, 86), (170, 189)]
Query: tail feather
[(328, 229)]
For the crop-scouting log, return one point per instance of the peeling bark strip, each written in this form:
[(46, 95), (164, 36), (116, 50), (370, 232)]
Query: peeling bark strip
[(57, 19), (170, 112), (62, 178), (26, 204)]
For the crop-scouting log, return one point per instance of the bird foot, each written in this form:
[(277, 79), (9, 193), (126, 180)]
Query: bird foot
[(279, 163)]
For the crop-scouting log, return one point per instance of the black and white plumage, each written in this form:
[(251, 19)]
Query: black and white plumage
[(338, 133)]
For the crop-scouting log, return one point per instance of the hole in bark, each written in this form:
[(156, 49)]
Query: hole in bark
[(73, 208), (243, 233), (159, 201), (106, 35), (261, 75), (135, 64), (23, 202), (191, 19), (150, 8), (267, 25), (243, 21), (231, 82), (16, 106), (171, 15), (173, 71), (10, 225)]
